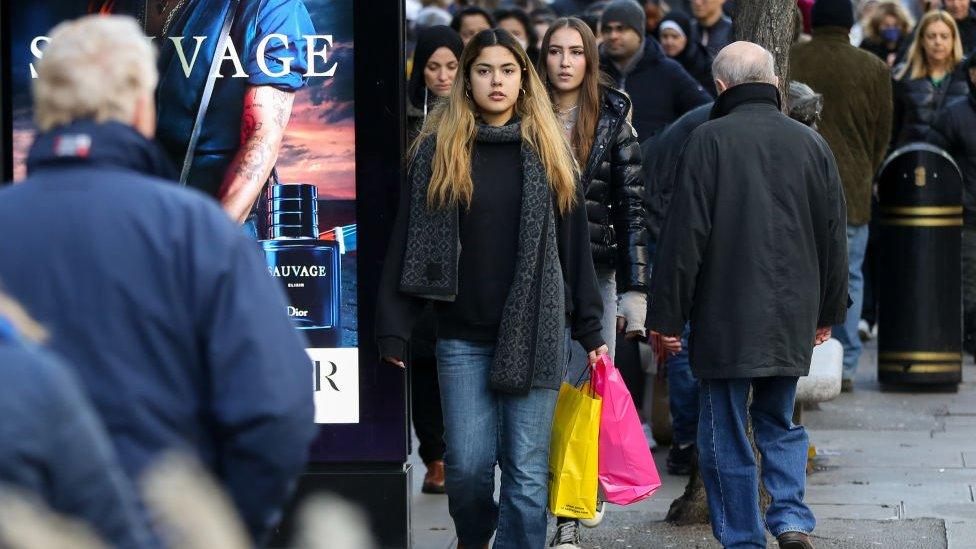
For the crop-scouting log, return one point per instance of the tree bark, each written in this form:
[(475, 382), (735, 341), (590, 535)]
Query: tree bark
[(774, 25)]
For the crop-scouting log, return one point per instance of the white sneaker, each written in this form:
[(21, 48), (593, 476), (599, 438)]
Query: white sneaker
[(566, 536), (651, 443), (864, 330), (601, 510)]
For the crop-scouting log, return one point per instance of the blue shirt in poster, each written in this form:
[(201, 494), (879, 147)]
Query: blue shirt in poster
[(179, 95)]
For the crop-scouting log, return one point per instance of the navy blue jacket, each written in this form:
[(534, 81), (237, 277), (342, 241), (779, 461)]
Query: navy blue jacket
[(53, 446), (165, 310), (660, 89)]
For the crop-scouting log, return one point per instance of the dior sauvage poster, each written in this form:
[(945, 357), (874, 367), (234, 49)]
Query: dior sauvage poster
[(299, 54)]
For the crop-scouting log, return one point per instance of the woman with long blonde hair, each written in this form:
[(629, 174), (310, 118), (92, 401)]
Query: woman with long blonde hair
[(929, 79), (492, 230)]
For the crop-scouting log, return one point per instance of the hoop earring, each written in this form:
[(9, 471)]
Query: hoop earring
[(522, 92)]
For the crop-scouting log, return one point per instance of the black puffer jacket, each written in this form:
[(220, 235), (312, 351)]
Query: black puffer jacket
[(614, 186), (954, 130), (918, 101)]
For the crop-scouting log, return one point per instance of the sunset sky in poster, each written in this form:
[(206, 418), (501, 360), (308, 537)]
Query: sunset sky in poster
[(320, 144)]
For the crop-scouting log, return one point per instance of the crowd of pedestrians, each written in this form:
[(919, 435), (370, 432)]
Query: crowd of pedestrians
[(635, 86), (584, 179)]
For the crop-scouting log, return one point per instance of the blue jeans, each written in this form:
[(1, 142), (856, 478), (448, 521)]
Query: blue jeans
[(483, 427), (728, 466), (857, 243), (683, 395)]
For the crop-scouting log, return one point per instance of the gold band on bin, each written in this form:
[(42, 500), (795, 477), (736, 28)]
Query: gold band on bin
[(923, 222), (920, 368), (922, 210), (919, 356)]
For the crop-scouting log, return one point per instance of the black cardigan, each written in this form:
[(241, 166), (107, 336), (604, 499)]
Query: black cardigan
[(397, 312)]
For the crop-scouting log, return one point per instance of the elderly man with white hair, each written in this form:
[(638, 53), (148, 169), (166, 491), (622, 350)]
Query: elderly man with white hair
[(156, 299), (754, 253)]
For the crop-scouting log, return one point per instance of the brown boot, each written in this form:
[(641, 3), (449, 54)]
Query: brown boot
[(434, 479), (794, 540)]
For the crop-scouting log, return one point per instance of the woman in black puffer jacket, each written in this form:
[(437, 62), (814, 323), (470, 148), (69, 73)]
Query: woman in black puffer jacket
[(929, 80), (594, 119)]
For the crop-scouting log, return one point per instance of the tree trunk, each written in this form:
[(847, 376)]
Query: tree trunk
[(774, 25)]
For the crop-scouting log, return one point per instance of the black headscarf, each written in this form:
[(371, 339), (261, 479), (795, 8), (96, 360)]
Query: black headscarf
[(430, 40), (694, 58), (682, 20)]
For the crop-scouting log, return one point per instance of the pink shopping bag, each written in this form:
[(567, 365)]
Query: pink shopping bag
[(626, 467)]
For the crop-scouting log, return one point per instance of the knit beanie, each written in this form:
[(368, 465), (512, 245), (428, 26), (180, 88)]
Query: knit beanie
[(428, 41), (626, 12), (832, 13)]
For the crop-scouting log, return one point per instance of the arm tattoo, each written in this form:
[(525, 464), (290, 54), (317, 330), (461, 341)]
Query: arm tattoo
[(263, 120), (254, 158), (281, 105)]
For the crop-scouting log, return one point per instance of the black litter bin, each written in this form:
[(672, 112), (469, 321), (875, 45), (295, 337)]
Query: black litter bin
[(920, 300)]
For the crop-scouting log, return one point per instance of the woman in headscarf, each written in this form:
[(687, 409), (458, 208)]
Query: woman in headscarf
[(680, 43), (435, 64)]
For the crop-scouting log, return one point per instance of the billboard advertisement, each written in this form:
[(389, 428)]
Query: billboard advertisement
[(230, 70)]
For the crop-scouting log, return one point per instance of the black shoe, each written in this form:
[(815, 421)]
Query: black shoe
[(567, 534), (847, 385), (681, 460), (794, 540)]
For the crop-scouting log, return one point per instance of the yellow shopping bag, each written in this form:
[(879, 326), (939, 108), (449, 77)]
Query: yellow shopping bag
[(573, 452)]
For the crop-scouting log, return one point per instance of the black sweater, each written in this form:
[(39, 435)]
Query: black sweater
[(489, 245), (487, 242)]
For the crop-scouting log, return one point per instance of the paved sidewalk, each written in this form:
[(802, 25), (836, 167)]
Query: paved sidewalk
[(894, 470)]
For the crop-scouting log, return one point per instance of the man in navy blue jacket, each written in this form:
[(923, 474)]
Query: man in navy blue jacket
[(160, 303), (659, 87)]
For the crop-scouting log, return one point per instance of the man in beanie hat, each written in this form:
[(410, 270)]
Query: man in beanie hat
[(954, 130), (856, 123), (660, 89)]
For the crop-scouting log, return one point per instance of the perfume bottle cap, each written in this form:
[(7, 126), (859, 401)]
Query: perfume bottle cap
[(288, 211)]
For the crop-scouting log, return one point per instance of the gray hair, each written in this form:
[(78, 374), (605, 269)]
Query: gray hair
[(744, 62), (94, 67), (805, 105)]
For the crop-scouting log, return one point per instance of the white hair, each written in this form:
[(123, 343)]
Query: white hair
[(740, 64), (94, 67)]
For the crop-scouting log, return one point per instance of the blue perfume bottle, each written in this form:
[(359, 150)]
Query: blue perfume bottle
[(307, 267)]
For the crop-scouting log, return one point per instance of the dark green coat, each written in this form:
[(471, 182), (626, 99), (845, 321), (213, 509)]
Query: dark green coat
[(856, 120)]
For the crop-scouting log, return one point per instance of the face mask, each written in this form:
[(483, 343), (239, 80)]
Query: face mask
[(891, 34)]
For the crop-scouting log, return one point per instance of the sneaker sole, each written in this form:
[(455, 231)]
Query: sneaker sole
[(597, 519)]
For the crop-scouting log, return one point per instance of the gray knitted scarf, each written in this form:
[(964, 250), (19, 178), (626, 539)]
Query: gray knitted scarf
[(529, 351)]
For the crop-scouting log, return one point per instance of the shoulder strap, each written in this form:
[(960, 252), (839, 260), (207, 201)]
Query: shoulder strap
[(208, 90)]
